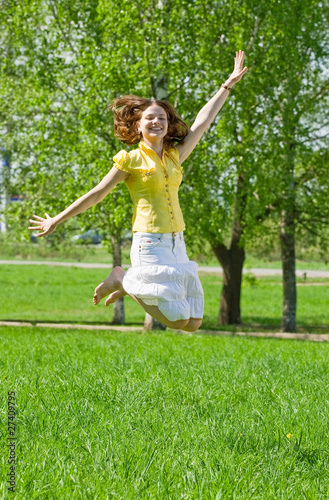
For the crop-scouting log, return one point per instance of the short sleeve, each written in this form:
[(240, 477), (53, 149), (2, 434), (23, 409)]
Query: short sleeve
[(122, 161)]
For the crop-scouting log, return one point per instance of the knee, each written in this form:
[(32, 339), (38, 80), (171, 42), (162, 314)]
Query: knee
[(179, 324), (193, 325)]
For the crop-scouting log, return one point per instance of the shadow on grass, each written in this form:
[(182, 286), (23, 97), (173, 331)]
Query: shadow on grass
[(68, 322), (267, 325), (262, 325)]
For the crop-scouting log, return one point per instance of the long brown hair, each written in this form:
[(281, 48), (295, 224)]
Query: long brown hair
[(128, 110)]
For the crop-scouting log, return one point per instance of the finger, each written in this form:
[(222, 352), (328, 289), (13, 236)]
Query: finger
[(39, 218), (240, 75), (35, 221), (41, 234), (47, 215)]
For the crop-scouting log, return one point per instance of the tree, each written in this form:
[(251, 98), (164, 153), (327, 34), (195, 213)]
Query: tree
[(58, 127), (260, 163), (244, 172)]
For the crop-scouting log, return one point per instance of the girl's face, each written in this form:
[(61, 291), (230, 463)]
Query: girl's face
[(153, 123)]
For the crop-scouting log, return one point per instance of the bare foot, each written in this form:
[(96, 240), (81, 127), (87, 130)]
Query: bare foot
[(114, 296), (111, 285)]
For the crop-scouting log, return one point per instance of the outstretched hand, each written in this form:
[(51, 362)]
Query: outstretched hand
[(47, 225), (239, 70)]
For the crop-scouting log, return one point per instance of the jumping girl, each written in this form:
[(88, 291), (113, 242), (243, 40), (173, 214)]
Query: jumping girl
[(162, 279)]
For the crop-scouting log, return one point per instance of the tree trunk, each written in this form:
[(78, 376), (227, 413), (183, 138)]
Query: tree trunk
[(152, 324), (232, 260), (118, 306), (287, 237), (232, 263)]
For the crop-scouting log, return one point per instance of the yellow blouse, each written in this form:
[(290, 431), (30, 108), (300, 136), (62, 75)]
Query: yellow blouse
[(153, 186)]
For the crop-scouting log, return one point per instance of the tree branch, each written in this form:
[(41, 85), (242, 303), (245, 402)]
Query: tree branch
[(314, 138), (311, 230), (67, 39), (68, 97), (142, 25), (222, 253), (318, 95), (319, 128), (253, 34)]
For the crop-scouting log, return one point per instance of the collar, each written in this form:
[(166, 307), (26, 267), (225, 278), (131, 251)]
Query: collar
[(147, 149)]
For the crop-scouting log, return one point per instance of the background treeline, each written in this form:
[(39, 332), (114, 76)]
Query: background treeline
[(260, 174)]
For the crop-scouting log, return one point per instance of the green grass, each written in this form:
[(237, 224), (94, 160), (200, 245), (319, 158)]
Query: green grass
[(100, 254), (45, 293), (106, 415), (301, 265), (62, 253)]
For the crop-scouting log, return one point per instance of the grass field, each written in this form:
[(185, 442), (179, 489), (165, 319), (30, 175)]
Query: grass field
[(100, 254), (45, 293), (108, 415)]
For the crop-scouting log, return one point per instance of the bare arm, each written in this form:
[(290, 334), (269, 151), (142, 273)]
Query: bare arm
[(82, 204), (208, 113)]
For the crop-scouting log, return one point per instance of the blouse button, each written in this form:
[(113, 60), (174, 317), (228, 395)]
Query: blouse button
[(166, 175), (172, 217), (167, 190), (166, 185)]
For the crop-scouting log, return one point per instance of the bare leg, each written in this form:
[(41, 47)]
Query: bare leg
[(113, 285), (193, 325), (157, 314)]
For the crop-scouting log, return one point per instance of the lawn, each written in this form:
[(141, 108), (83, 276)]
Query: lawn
[(100, 254), (111, 415), (46, 293)]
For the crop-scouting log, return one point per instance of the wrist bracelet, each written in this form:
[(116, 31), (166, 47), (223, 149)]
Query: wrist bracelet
[(226, 87)]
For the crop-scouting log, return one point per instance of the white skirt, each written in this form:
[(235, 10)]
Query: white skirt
[(162, 275)]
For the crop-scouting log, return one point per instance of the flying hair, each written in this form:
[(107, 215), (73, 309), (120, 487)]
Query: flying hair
[(128, 110)]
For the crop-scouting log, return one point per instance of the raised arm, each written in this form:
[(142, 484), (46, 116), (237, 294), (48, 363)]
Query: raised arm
[(208, 113), (86, 201)]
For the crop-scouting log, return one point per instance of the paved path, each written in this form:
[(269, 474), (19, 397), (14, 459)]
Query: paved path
[(314, 337), (204, 269)]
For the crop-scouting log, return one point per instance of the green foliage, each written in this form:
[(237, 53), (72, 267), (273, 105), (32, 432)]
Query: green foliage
[(62, 63), (66, 64), (249, 280)]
